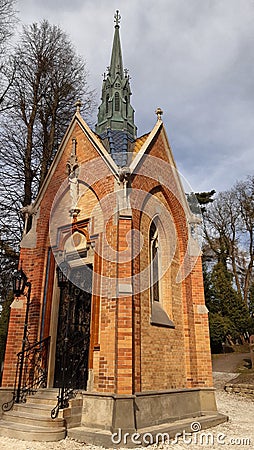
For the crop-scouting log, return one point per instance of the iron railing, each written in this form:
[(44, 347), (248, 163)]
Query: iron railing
[(68, 387), (31, 372), (64, 396)]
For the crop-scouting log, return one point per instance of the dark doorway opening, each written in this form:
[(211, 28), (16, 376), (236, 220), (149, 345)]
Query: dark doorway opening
[(73, 332)]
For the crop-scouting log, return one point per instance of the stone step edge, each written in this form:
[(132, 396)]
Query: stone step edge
[(10, 416), (32, 405), (18, 426), (45, 435), (43, 401)]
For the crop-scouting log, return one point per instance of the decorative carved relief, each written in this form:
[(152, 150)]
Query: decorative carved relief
[(72, 167), (74, 243)]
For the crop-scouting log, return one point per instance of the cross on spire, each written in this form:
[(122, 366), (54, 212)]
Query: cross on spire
[(117, 18)]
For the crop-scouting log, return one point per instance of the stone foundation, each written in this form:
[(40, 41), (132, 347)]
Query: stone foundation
[(132, 412), (106, 417)]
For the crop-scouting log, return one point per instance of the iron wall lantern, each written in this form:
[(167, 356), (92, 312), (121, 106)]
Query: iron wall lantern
[(19, 283)]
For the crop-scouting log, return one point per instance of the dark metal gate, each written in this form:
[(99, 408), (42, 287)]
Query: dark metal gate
[(73, 334)]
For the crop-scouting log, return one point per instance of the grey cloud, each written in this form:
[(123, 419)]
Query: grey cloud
[(194, 59)]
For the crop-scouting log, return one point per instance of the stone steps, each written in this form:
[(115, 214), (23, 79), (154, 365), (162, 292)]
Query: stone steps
[(43, 400), (32, 420), (26, 432), (44, 410)]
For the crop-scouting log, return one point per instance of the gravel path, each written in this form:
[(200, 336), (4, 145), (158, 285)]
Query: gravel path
[(228, 362), (238, 432)]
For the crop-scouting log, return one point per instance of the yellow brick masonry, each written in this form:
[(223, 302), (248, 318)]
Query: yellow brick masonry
[(127, 353)]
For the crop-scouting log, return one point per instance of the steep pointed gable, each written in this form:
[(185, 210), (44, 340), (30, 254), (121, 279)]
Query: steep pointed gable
[(77, 122), (145, 147)]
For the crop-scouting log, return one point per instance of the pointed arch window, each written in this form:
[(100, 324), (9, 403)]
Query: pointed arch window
[(154, 257), (159, 316), (117, 101), (107, 103), (126, 106)]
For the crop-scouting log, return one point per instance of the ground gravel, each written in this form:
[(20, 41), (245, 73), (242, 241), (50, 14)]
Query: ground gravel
[(237, 433)]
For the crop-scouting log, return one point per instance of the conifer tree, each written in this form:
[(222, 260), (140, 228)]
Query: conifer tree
[(229, 316)]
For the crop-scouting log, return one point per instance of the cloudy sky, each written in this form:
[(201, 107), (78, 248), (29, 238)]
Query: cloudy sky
[(192, 58)]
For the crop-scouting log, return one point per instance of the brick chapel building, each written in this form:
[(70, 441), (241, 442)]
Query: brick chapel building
[(130, 320)]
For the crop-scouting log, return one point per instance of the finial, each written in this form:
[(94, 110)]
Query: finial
[(78, 105), (159, 113), (117, 19)]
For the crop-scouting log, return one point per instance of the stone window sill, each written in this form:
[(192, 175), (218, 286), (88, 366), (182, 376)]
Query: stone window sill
[(159, 316)]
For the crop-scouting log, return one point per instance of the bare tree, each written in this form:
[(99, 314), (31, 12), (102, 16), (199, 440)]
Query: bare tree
[(49, 79), (244, 192), (36, 102), (229, 228), (221, 223), (7, 17), (7, 22)]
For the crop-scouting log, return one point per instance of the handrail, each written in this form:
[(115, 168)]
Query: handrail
[(66, 392), (34, 345), (33, 361)]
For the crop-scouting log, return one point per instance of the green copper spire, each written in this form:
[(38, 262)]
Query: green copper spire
[(115, 111), (116, 64)]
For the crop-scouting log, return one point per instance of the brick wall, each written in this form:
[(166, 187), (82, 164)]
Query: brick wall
[(127, 353), (177, 357)]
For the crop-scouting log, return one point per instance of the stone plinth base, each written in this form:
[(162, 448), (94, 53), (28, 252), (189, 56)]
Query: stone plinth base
[(126, 420)]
